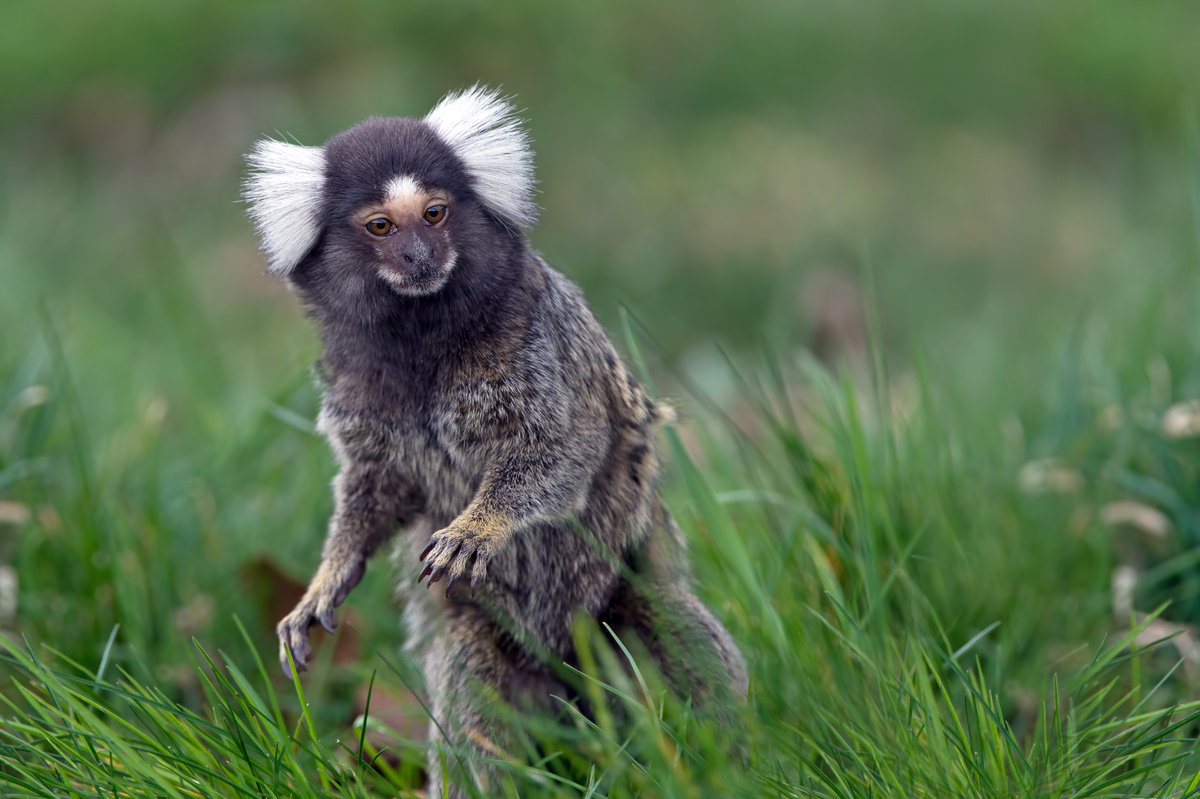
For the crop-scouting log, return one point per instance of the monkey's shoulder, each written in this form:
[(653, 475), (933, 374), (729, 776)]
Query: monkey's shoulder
[(595, 372)]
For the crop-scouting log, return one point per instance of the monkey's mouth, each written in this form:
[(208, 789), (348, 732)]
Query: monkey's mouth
[(417, 280)]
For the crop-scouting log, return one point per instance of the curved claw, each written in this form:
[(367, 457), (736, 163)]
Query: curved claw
[(453, 581), (287, 668), (287, 665), (293, 636), (328, 621), (468, 559), (454, 553)]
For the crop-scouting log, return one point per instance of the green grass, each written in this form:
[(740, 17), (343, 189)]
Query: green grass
[(915, 623), (864, 564), (1011, 191)]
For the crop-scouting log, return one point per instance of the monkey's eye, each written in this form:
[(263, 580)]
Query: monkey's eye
[(435, 214), (379, 226)]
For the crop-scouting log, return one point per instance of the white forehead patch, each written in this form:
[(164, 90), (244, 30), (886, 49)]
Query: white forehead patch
[(480, 127), (285, 193), (402, 187)]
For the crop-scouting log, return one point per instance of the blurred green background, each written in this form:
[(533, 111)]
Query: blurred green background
[(997, 192)]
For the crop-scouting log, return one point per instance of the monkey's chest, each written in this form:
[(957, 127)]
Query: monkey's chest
[(447, 475), (440, 432)]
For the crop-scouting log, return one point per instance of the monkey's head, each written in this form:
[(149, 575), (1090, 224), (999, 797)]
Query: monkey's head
[(393, 205)]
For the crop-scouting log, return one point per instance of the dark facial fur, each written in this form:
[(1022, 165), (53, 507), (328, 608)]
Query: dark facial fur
[(474, 403), (355, 277)]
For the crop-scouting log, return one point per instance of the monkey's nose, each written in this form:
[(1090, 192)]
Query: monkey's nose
[(409, 249)]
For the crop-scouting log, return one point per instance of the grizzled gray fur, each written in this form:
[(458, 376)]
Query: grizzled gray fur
[(476, 406)]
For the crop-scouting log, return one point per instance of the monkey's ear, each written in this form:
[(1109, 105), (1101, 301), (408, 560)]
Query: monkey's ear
[(479, 125), (284, 192)]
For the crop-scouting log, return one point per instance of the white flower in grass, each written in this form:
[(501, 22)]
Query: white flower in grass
[(14, 513), (1124, 583), (1049, 476), (1143, 518), (1182, 420)]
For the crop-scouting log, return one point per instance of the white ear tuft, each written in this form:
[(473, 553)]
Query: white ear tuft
[(285, 193), (480, 127)]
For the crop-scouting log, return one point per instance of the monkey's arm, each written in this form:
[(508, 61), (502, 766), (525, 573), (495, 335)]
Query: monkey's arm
[(540, 472), (370, 499)]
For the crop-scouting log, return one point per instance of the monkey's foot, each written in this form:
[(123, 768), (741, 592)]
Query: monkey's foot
[(328, 589), (453, 551)]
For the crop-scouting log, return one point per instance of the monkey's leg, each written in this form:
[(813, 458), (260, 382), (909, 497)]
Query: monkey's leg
[(466, 675), (691, 648), (699, 620), (369, 500)]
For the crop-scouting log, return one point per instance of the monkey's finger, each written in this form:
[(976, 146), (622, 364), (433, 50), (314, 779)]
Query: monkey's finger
[(328, 621), (441, 558), (438, 552), (435, 556), (287, 667), (467, 557), (300, 655), (479, 573), (445, 554), (287, 664), (458, 566), (293, 637)]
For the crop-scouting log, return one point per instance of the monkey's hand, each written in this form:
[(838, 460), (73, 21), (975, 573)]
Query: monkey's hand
[(466, 544), (333, 583)]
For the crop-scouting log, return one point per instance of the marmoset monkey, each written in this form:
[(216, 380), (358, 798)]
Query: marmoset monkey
[(474, 403)]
